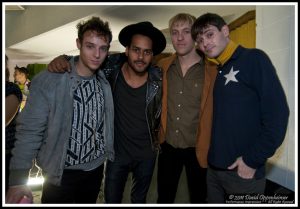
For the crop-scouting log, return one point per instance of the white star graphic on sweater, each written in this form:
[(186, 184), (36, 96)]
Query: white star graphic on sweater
[(231, 76)]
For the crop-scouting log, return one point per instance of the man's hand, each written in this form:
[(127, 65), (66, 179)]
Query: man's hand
[(16, 193), (59, 65), (243, 170)]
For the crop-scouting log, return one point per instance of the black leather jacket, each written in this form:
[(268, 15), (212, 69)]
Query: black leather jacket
[(112, 67)]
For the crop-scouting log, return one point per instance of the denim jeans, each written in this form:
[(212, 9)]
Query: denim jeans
[(116, 175)]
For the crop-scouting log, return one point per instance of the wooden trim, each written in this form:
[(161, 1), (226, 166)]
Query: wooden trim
[(242, 20)]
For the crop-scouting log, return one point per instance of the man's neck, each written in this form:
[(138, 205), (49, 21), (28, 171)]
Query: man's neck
[(133, 78), (83, 70), (188, 61)]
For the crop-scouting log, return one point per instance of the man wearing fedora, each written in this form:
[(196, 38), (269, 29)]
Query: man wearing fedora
[(137, 88)]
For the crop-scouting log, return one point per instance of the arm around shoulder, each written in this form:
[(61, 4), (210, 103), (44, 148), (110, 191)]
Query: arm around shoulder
[(60, 64)]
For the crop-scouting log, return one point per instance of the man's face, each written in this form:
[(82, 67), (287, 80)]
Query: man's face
[(213, 41), (93, 51), (181, 36), (139, 53)]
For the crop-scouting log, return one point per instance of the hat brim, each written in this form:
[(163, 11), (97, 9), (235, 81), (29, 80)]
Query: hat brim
[(157, 37)]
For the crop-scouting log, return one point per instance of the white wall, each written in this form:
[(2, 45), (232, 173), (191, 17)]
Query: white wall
[(275, 34)]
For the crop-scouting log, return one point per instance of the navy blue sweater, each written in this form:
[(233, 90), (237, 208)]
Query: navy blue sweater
[(250, 111)]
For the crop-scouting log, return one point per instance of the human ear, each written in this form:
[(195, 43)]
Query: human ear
[(225, 30)]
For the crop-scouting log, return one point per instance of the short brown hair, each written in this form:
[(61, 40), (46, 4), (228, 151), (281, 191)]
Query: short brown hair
[(94, 24)]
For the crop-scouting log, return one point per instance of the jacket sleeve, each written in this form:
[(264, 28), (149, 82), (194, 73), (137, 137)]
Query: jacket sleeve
[(274, 111), (30, 130)]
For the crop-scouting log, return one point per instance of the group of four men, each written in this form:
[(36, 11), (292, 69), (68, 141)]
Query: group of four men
[(220, 107)]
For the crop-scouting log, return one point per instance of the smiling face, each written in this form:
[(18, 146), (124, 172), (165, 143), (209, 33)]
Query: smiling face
[(139, 53), (212, 41), (93, 51)]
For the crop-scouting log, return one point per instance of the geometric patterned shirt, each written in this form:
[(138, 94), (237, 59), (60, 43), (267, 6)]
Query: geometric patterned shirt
[(86, 142)]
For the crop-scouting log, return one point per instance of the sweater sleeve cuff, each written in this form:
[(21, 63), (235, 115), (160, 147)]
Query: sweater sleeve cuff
[(252, 163)]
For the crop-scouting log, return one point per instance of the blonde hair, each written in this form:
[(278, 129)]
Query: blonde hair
[(181, 17)]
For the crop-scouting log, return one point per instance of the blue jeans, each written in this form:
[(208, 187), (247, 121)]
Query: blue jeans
[(116, 175)]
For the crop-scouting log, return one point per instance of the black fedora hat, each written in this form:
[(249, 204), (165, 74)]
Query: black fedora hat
[(146, 29)]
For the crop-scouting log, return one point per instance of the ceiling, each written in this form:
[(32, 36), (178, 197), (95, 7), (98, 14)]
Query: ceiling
[(42, 32), (14, 8)]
